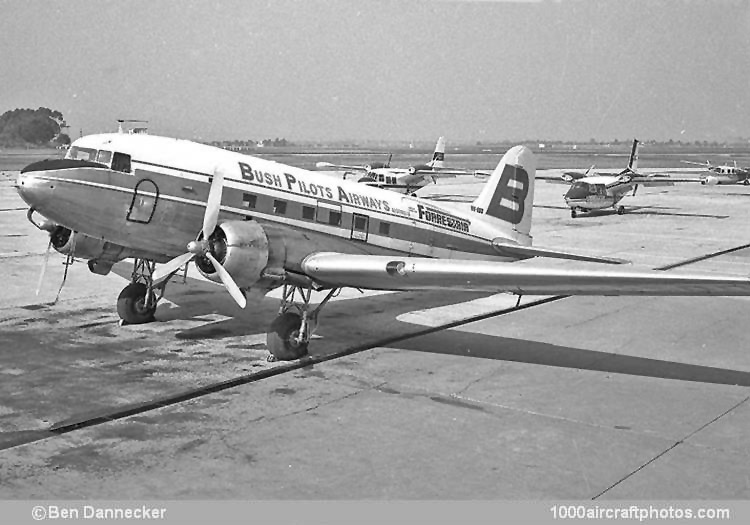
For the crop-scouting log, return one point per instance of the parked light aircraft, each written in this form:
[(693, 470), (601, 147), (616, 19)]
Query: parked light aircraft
[(404, 180), (723, 174), (599, 191), (262, 225)]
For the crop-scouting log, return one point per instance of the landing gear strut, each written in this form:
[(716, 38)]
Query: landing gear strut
[(137, 301), (289, 334)]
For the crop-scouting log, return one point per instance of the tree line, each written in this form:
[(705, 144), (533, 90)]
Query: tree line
[(32, 127)]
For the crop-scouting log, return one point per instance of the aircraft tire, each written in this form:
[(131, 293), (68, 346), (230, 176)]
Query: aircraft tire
[(746, 182), (573, 213), (279, 338), (620, 210), (131, 304)]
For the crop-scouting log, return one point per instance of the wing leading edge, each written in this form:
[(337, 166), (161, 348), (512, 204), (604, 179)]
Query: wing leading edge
[(411, 273)]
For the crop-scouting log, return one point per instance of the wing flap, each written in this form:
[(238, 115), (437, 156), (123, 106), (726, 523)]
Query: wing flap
[(410, 273)]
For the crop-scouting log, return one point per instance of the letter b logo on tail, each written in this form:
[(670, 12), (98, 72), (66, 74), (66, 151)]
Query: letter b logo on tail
[(507, 203)]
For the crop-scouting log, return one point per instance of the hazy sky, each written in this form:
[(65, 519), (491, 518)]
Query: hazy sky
[(391, 70)]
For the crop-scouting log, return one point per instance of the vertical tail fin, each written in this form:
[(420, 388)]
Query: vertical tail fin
[(508, 196), (633, 160), (439, 155)]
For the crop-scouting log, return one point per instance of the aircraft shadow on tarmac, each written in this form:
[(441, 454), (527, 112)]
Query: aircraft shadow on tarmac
[(649, 210), (380, 311), (462, 343)]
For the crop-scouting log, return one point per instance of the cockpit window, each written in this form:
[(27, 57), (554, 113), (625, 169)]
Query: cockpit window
[(104, 157), (581, 190), (78, 153), (121, 162)]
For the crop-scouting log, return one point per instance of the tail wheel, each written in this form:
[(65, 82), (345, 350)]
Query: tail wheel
[(131, 304), (281, 338)]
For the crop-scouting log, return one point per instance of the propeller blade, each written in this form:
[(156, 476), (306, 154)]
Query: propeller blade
[(44, 266), (213, 204), (231, 286), (168, 268)]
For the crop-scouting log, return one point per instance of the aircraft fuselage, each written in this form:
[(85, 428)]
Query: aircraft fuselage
[(155, 199)]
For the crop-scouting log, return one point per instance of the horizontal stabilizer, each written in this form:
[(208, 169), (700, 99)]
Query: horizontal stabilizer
[(514, 250), (412, 273)]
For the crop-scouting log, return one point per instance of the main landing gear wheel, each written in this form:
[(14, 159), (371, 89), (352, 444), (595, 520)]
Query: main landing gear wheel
[(620, 210), (290, 332), (283, 338), (746, 182), (132, 306), (573, 213)]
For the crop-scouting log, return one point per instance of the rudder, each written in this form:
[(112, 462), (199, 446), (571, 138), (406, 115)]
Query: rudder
[(508, 195)]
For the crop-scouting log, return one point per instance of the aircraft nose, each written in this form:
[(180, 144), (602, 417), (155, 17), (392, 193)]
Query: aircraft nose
[(34, 189)]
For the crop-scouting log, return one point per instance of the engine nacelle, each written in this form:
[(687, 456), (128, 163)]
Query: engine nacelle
[(84, 246), (422, 167), (710, 180), (242, 248)]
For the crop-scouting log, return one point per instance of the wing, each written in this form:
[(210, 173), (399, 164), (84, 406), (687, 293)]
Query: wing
[(410, 273), (443, 172), (661, 179), (340, 166), (559, 176)]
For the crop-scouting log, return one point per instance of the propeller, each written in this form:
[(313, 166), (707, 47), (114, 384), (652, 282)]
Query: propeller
[(202, 246), (44, 266)]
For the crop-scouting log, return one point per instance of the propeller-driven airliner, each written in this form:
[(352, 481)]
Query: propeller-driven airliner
[(403, 180), (255, 225)]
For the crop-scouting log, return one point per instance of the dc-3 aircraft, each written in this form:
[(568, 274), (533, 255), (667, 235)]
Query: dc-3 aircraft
[(723, 174), (598, 191), (403, 180), (254, 225)]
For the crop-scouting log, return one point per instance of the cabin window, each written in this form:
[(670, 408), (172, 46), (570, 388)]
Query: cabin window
[(121, 162), (143, 205), (381, 178), (385, 228), (308, 213), (249, 200), (103, 157), (391, 180), (279, 207), (328, 213)]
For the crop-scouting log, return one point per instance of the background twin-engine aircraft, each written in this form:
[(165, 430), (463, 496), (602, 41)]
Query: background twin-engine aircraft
[(403, 180), (723, 174), (597, 191), (254, 225)]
